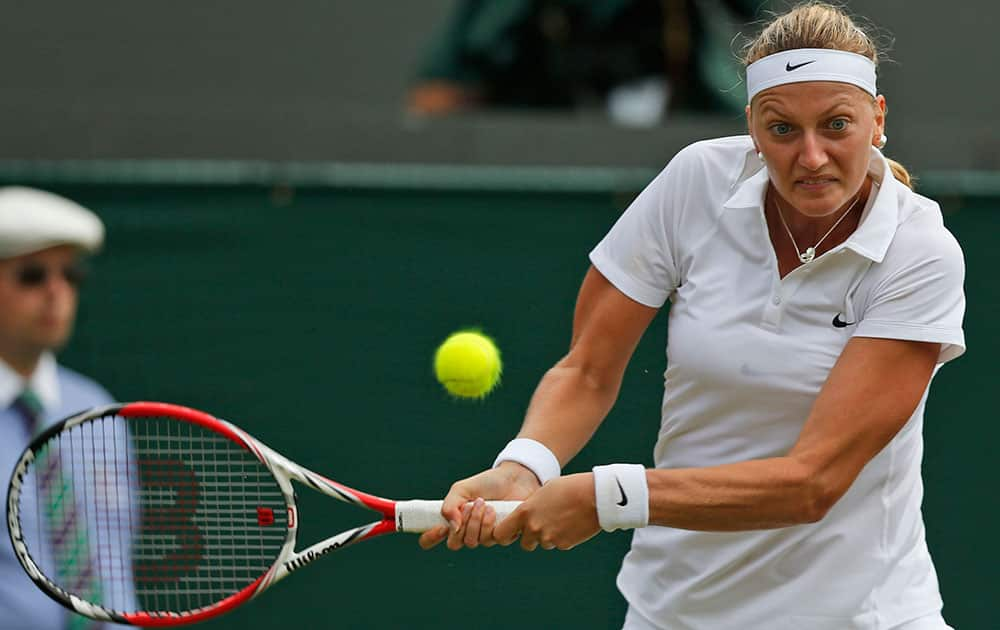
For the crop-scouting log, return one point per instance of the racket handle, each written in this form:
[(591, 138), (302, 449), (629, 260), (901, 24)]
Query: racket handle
[(418, 515)]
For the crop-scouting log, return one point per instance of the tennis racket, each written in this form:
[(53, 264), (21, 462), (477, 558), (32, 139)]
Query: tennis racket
[(154, 514)]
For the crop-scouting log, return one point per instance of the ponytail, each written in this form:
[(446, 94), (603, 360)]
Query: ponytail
[(899, 172)]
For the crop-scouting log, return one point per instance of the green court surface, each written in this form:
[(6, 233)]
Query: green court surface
[(309, 315)]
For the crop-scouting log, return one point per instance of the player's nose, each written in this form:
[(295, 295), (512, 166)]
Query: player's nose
[(812, 152)]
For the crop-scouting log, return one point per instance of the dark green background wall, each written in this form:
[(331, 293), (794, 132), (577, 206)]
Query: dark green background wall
[(309, 317)]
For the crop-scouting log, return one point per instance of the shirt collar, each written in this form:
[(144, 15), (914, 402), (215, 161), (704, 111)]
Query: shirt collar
[(44, 382), (878, 224), (751, 185)]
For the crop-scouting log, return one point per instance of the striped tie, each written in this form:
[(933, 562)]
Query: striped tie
[(67, 533)]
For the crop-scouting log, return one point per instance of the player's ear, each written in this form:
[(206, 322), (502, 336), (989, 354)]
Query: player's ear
[(880, 111), (756, 147)]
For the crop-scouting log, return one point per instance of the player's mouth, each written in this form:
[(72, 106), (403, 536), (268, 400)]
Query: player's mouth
[(815, 183)]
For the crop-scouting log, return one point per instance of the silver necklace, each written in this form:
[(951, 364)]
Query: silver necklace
[(810, 253)]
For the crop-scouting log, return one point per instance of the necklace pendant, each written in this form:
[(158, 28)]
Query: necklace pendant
[(808, 255)]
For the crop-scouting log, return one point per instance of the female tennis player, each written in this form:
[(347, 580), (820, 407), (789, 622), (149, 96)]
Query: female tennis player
[(813, 297)]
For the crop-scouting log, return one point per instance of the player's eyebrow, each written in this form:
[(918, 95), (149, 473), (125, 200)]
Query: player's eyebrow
[(771, 105)]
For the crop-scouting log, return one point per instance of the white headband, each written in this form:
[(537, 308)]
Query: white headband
[(810, 64)]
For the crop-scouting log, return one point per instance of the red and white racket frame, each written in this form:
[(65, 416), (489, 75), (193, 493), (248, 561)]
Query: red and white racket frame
[(397, 516)]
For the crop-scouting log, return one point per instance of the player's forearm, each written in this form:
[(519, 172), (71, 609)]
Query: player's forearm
[(758, 494), (567, 407)]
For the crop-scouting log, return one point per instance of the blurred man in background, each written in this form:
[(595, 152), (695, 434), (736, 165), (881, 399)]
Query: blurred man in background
[(638, 59), (43, 238)]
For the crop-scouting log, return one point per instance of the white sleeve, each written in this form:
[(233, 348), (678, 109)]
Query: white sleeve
[(917, 293), (638, 255)]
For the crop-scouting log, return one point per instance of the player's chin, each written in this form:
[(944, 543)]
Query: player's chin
[(820, 201)]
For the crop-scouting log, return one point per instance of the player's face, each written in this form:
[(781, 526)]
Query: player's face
[(38, 300), (816, 137)]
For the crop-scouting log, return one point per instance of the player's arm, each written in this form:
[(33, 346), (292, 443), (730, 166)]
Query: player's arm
[(570, 402), (576, 394), (870, 394)]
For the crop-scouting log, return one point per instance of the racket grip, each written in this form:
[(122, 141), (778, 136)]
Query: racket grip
[(419, 515)]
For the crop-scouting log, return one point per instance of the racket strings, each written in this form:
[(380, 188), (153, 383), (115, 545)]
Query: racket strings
[(150, 514)]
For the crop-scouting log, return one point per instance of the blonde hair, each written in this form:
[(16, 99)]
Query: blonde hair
[(817, 25)]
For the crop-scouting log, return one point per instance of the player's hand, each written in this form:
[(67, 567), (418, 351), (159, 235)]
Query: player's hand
[(560, 515), (465, 509)]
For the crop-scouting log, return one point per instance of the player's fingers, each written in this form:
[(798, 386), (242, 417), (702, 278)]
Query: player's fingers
[(433, 537), (509, 528), (474, 524), (489, 522), (452, 506), (528, 543), (547, 546), (454, 518), (456, 537)]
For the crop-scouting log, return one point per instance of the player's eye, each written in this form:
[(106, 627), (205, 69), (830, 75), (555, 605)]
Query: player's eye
[(781, 129), (839, 124)]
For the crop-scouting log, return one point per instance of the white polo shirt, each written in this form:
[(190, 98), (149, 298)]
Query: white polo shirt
[(747, 354)]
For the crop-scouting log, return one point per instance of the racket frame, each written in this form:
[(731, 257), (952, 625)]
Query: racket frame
[(412, 516)]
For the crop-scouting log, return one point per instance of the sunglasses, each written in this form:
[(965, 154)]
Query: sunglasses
[(34, 276)]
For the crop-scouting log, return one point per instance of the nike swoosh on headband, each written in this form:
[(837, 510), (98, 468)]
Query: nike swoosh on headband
[(789, 67)]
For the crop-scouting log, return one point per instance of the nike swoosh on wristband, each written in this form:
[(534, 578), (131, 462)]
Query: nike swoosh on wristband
[(789, 67), (839, 323), (624, 500)]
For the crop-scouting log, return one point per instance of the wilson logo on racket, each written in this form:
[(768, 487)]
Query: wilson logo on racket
[(309, 555), (198, 516), (170, 492)]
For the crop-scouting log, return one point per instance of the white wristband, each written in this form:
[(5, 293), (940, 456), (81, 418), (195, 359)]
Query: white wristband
[(533, 455), (622, 496)]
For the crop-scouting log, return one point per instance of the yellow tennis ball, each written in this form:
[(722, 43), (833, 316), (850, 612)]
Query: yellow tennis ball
[(468, 364)]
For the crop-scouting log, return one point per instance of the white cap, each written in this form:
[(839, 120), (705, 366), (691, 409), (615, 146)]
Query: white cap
[(32, 220)]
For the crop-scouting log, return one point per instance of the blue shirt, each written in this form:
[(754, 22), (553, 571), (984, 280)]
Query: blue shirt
[(62, 392)]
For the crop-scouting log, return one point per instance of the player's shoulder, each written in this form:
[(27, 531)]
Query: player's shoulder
[(712, 166), (921, 223), (724, 153), (80, 389), (921, 234)]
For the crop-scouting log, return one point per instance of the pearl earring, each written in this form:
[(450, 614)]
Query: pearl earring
[(760, 156), (881, 141)]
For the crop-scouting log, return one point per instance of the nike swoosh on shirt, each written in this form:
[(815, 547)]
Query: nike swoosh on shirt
[(789, 67), (624, 500), (839, 323)]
